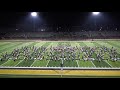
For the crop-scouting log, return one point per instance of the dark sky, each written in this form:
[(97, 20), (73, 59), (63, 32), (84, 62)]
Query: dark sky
[(11, 19), (50, 17), (53, 17)]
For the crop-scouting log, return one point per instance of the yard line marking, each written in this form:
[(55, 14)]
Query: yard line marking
[(46, 51), (18, 63), (108, 63), (47, 63), (93, 64), (33, 63), (77, 63), (4, 63), (95, 53)]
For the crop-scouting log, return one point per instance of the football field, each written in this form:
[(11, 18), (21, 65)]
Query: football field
[(9, 46)]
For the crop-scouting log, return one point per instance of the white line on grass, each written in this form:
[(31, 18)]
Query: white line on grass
[(108, 63), (4, 62), (47, 63), (91, 61), (18, 63), (77, 63), (93, 64), (33, 63)]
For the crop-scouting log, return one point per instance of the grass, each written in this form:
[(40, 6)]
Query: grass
[(39, 63), (11, 63), (25, 63), (114, 64), (101, 64), (85, 63), (1, 62), (54, 63), (70, 63)]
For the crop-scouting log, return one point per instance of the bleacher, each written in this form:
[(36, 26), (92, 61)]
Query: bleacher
[(61, 35)]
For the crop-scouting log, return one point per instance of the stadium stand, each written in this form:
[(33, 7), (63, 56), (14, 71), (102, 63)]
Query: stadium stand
[(71, 33)]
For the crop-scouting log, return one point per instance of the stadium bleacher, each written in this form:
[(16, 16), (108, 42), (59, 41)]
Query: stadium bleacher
[(70, 33), (61, 35)]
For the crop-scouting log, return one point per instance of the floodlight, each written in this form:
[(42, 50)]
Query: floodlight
[(96, 13), (34, 14)]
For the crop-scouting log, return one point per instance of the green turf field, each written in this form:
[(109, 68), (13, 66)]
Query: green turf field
[(8, 46)]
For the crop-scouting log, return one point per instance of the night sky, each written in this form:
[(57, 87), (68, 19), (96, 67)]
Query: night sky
[(14, 19)]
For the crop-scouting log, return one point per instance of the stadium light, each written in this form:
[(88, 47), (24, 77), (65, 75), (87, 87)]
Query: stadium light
[(34, 14), (95, 13)]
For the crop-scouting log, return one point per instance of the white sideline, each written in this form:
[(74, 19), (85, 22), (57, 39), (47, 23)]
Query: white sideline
[(68, 68)]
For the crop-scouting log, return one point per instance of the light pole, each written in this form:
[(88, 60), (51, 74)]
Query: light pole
[(34, 15)]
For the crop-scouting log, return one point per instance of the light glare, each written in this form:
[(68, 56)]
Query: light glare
[(96, 13), (34, 14)]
